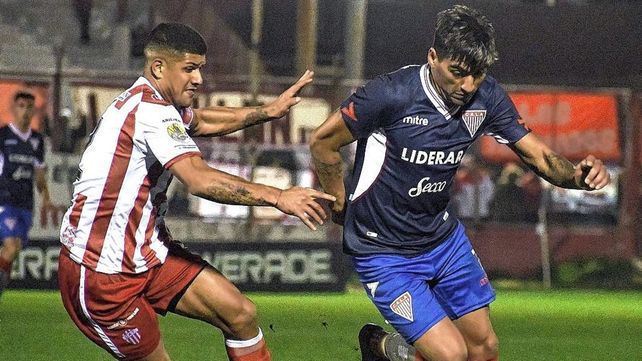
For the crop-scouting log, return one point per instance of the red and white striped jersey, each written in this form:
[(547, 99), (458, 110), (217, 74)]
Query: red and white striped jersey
[(115, 222)]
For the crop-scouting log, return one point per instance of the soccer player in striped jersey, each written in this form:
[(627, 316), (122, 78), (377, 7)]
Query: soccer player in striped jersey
[(119, 266), (22, 162), (412, 129)]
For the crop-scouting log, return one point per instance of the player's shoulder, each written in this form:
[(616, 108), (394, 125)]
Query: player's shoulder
[(399, 84), (491, 91), (402, 77)]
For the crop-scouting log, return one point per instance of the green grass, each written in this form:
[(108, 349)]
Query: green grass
[(532, 325)]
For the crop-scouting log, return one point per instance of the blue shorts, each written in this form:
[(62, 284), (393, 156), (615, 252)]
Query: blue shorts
[(15, 222), (415, 293)]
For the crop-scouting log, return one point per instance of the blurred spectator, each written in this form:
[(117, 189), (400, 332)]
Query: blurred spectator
[(473, 190), (508, 203)]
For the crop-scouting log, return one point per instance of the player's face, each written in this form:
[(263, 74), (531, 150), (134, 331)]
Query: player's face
[(181, 79), (23, 110), (453, 79)]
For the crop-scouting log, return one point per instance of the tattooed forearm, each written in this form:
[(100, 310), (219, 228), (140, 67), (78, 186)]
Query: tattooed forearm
[(326, 170), (233, 194), (259, 115), (558, 171)]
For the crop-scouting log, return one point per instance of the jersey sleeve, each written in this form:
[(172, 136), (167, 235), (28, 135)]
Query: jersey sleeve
[(367, 109), (187, 115), (505, 124), (165, 134)]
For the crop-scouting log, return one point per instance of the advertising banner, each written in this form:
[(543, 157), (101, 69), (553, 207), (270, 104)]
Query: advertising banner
[(251, 266), (572, 124)]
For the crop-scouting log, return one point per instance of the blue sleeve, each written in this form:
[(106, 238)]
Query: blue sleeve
[(368, 108), (505, 125)]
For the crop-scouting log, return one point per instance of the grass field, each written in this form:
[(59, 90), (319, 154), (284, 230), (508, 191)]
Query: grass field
[(532, 325)]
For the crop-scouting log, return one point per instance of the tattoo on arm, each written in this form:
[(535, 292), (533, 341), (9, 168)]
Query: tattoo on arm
[(558, 171), (328, 171), (257, 116), (233, 194)]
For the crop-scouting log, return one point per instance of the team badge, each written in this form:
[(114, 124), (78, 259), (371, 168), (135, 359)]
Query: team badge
[(132, 336), (177, 132), (403, 306), (473, 119)]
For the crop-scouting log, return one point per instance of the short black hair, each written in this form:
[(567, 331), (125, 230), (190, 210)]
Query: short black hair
[(465, 35), (176, 37), (23, 95)]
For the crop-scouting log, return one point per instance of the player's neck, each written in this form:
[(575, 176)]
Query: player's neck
[(22, 126), (440, 91)]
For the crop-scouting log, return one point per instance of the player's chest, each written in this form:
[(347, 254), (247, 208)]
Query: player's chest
[(20, 151), (432, 131)]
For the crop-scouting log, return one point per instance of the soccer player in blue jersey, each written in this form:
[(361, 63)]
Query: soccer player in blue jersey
[(21, 162), (412, 129)]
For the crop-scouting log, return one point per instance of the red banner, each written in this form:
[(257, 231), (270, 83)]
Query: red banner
[(572, 124), (8, 88)]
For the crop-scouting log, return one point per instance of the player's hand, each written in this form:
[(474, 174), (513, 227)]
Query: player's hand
[(303, 203), (591, 174), (281, 106)]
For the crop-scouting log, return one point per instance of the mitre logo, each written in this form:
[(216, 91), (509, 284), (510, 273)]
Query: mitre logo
[(416, 120)]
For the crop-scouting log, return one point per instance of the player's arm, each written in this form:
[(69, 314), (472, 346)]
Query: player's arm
[(216, 121), (589, 174), (41, 185), (206, 182), (325, 143)]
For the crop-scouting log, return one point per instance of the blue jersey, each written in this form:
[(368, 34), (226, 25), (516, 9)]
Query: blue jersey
[(20, 153), (409, 147)]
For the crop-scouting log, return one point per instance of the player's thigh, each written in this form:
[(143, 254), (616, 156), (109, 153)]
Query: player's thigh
[(404, 299), (462, 285), (213, 298), (443, 341), (108, 310), (159, 354), (477, 329)]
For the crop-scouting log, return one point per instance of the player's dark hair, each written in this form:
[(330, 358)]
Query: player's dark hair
[(465, 35), (177, 38), (23, 95)]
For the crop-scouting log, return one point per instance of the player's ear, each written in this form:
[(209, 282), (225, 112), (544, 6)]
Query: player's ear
[(157, 67), (432, 57)]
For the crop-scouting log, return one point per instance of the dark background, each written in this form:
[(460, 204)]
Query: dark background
[(574, 43)]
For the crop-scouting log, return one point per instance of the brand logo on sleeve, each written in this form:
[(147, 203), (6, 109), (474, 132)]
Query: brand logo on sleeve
[(349, 111)]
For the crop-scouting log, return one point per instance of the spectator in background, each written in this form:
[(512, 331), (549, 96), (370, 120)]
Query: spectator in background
[(518, 195), (473, 190), (82, 9), (22, 161), (507, 204)]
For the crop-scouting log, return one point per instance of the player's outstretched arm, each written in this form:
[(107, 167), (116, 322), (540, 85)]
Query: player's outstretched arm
[(217, 121), (325, 143), (209, 183), (589, 174)]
